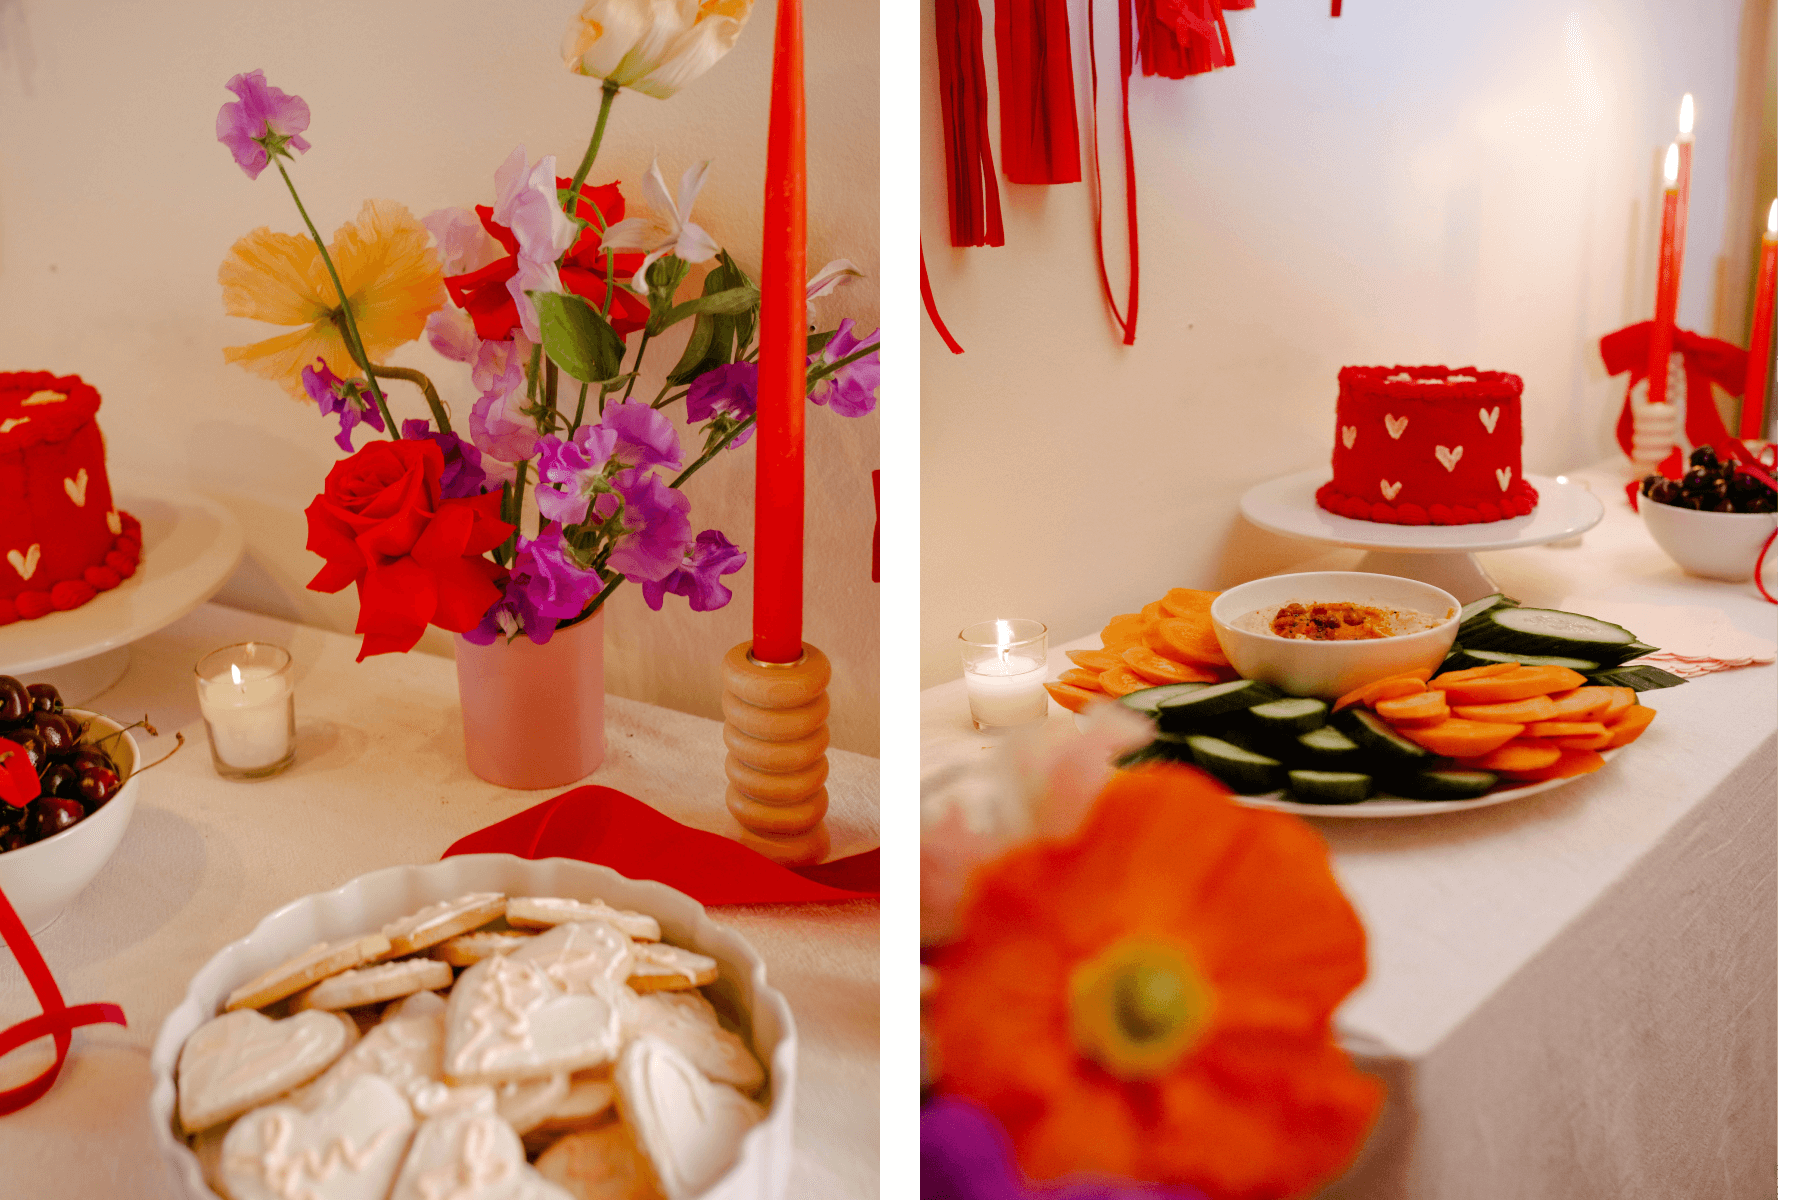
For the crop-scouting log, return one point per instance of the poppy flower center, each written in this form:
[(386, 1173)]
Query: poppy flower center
[(1138, 1006)]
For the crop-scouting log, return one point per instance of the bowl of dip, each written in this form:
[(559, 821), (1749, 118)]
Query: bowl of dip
[(1325, 633)]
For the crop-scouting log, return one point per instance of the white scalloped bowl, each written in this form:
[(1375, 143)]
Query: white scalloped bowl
[(742, 994)]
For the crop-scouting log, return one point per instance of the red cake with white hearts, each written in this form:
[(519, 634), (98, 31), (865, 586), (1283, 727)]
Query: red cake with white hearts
[(1427, 446), (61, 540)]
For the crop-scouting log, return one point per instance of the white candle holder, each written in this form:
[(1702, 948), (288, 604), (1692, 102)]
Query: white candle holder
[(1006, 664), (247, 700)]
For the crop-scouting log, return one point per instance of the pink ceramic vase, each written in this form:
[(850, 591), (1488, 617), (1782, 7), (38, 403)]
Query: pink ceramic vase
[(535, 716)]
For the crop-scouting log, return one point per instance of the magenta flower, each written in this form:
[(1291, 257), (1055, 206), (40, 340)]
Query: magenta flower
[(697, 577), (545, 587), (850, 390), (464, 473), (655, 533), (579, 466), (352, 403), (262, 121), (964, 1154), (646, 438), (724, 392)]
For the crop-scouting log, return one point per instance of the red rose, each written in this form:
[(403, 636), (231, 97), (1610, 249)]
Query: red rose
[(18, 778), (414, 557)]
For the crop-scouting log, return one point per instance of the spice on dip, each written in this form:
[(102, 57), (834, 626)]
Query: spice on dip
[(1338, 621)]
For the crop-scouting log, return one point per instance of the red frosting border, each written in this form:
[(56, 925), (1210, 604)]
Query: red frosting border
[(120, 564), (1356, 508)]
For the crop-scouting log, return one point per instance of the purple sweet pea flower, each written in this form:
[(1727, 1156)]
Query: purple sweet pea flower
[(850, 391), (697, 577), (464, 473), (964, 1154), (727, 391), (496, 423), (262, 121), (351, 402), (646, 438), (545, 587), (579, 465), (656, 532)]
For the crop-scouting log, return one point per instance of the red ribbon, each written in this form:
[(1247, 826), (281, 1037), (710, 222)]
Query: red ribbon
[(875, 552), (1705, 360), (1128, 319), (968, 156), (57, 1021), (931, 308), (1039, 139)]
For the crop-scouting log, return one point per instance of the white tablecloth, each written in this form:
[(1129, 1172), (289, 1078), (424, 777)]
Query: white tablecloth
[(1571, 995), (380, 779)]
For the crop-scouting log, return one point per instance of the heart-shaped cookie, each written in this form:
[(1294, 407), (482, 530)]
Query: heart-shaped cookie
[(406, 1051), (470, 1155), (442, 921), (1349, 435), (660, 967), (25, 564), (235, 1062), (348, 1150), (1396, 425), (541, 912), (1449, 457), (1390, 490), (687, 1022), (603, 1162), (588, 956), (1489, 416), (509, 1020), (688, 1126)]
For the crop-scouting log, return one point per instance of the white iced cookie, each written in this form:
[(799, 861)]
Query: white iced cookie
[(209, 1148), (442, 921), (470, 948), (306, 969), (601, 1164), (660, 967), (470, 1156), (419, 1004), (349, 1150), (541, 912), (586, 956), (524, 1103), (235, 1062), (687, 1125), (373, 985), (509, 1020), (590, 1096), (687, 1022), (408, 1052)]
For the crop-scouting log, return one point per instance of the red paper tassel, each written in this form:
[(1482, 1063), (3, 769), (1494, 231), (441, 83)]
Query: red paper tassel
[(968, 156), (1178, 38), (1039, 141)]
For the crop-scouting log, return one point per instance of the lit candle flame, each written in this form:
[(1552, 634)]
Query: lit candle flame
[(237, 676), (1687, 115), (1671, 165), (1772, 218)]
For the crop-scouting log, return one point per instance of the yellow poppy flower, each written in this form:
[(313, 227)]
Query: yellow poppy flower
[(390, 274)]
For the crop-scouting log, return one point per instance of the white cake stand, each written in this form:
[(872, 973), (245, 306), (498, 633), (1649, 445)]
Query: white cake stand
[(191, 546), (1442, 555)]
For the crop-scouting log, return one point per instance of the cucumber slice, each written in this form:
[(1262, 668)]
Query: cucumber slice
[(1243, 771), (1149, 700), (1326, 749), (1380, 739), (1291, 714), (1443, 785), (1193, 710), (1162, 748), (1641, 678), (1639, 649), (1475, 611), (1548, 631), (1329, 787), (1486, 658)]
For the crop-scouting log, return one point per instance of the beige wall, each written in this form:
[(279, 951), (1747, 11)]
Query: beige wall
[(117, 204), (1414, 182)]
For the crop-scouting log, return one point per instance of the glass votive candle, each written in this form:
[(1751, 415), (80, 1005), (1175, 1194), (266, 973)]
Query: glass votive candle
[(247, 699), (1006, 664)]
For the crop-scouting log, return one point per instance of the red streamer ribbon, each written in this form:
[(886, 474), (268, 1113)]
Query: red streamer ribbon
[(968, 155), (1128, 319), (1039, 139), (875, 552), (57, 1021), (1705, 361), (931, 308)]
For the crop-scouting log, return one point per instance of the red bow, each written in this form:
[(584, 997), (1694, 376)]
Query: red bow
[(57, 1021), (1705, 360)]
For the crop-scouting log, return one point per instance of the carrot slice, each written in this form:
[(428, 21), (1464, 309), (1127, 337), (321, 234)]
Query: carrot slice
[(1519, 684), (1562, 729), (1455, 737), (1423, 706), (1122, 681), (1388, 687), (1520, 754), (1124, 630), (1580, 704), (1154, 667), (1623, 698), (1596, 742), (1572, 762), (1186, 642), (1081, 677), (1073, 698), (1449, 678), (1627, 728), (1513, 712), (1189, 605), (1096, 660), (1153, 611)]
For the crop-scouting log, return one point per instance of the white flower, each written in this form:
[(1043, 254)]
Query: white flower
[(826, 281), (653, 46), (670, 231)]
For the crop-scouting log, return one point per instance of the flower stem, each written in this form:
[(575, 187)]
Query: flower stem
[(643, 340), (823, 369), (438, 412), (580, 408), (352, 339), (712, 451), (608, 90)]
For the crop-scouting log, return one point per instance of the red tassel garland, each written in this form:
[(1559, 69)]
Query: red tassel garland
[(968, 155), (1039, 141), (1178, 38)]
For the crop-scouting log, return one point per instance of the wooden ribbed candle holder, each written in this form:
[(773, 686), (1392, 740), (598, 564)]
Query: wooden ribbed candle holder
[(775, 740)]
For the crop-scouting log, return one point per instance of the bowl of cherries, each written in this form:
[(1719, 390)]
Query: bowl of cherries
[(68, 784), (1715, 520)]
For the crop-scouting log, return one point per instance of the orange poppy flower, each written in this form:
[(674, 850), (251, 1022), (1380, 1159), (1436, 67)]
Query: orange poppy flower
[(1151, 998)]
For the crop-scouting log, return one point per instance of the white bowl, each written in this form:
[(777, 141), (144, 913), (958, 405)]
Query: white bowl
[(42, 878), (1327, 670), (742, 994), (1717, 545)]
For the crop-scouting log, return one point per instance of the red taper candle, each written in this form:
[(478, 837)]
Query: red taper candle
[(1762, 325), (1684, 174), (781, 367), (1668, 281)]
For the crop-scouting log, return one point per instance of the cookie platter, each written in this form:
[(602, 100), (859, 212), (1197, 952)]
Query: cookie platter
[(740, 994)]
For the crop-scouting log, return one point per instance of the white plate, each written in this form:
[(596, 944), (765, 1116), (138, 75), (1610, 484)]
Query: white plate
[(742, 993), (1378, 808), (1286, 505), (191, 546)]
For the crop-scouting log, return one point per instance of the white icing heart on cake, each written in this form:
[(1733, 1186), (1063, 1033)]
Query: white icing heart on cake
[(509, 1020), (1395, 425), (349, 1150), (688, 1126), (235, 1062), (112, 522), (25, 564), (77, 488), (12, 423), (1349, 436), (43, 396), (1449, 457), (1390, 490), (1503, 476), (1489, 417)]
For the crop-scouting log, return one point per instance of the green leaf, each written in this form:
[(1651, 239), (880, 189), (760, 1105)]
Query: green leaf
[(693, 361), (576, 337), (816, 342), (727, 303)]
